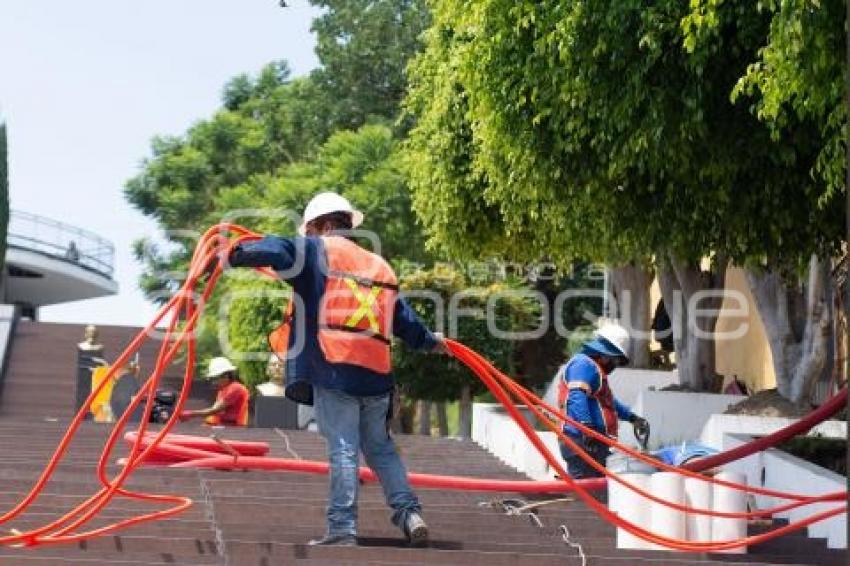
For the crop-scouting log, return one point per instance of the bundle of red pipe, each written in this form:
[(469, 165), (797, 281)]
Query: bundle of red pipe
[(181, 451)]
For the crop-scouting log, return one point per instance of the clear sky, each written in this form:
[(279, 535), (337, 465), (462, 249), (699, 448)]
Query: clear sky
[(85, 85)]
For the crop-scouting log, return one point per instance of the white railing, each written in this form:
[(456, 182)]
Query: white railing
[(62, 241)]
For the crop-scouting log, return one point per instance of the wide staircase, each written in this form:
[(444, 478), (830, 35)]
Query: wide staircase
[(264, 518), (40, 378)]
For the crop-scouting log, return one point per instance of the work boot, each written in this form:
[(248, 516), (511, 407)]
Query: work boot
[(334, 540), (416, 530)]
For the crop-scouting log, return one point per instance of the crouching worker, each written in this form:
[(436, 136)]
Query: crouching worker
[(231, 401), (335, 340), (586, 397)]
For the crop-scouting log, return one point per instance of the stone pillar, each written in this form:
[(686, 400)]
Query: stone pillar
[(271, 408)]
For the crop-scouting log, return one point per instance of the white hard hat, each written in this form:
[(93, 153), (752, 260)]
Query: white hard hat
[(616, 336), (325, 203), (219, 366)]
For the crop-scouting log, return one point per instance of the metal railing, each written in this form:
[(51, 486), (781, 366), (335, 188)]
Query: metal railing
[(61, 241)]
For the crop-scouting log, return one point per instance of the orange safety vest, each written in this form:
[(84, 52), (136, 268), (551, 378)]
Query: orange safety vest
[(603, 395), (241, 413), (356, 310)]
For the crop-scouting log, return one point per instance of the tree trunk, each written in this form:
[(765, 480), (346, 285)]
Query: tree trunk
[(539, 359), (402, 421), (683, 286), (465, 419), (630, 289), (442, 419), (798, 337), (425, 417)]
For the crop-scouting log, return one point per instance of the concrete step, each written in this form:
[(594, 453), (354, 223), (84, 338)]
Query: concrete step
[(241, 553)]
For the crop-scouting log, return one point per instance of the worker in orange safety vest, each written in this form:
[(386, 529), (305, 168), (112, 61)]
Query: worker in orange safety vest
[(335, 340), (232, 399), (586, 396)]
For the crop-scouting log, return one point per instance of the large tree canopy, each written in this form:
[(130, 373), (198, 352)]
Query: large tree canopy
[(795, 85), (266, 123), (601, 134), (364, 46), (797, 74)]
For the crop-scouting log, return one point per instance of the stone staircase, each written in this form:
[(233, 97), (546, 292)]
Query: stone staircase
[(264, 519), (40, 378)]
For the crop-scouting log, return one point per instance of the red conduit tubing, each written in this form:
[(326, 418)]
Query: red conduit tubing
[(136, 458), (431, 481), (183, 501), (31, 536), (113, 486), (822, 413), (89, 508), (478, 365), (28, 537), (533, 401), (245, 448), (73, 427), (196, 270), (442, 482), (529, 398), (416, 479), (60, 450)]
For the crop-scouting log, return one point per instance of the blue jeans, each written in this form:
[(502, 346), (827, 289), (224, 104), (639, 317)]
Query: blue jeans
[(350, 424)]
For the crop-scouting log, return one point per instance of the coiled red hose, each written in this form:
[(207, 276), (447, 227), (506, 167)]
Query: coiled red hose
[(184, 310)]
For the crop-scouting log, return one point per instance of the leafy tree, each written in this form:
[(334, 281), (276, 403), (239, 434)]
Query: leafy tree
[(600, 136), (449, 193), (363, 166), (267, 123), (253, 308), (364, 46), (794, 84), (797, 74), (221, 165), (4, 193), (438, 378)]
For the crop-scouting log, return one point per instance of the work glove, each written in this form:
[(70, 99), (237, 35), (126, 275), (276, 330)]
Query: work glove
[(592, 446), (220, 259), (441, 347), (641, 427)]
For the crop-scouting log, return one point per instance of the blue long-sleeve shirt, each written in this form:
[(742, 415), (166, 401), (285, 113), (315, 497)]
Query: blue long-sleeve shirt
[(302, 262), (579, 405)]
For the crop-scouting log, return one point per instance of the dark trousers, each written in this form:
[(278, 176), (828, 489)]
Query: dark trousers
[(578, 468)]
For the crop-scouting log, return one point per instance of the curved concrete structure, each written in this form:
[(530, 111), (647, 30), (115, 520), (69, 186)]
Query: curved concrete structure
[(37, 279), (50, 262)]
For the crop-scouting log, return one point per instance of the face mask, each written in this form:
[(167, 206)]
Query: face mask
[(608, 364)]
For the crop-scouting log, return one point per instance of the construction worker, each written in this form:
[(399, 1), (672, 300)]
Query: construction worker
[(586, 396), (335, 340), (231, 401)]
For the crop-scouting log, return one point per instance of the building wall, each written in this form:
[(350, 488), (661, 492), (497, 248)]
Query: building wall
[(748, 356)]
